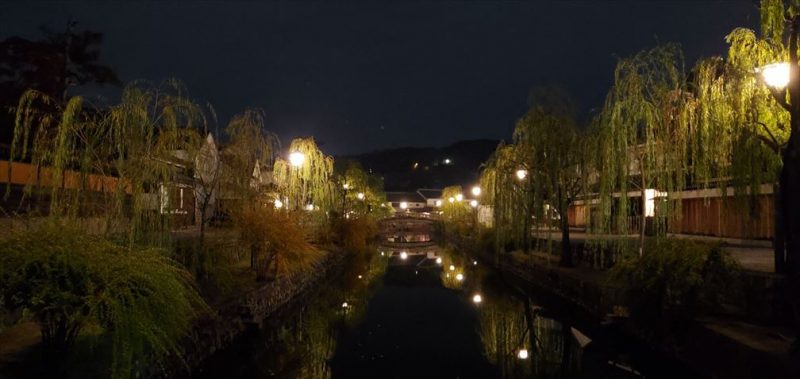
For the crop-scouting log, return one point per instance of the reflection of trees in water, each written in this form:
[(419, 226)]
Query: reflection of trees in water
[(505, 330), (306, 342)]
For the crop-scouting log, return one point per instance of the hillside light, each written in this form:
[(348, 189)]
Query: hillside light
[(474, 263), (459, 197), (522, 354), (297, 158), (776, 75), (522, 174), (403, 205), (360, 276), (477, 299), (360, 196), (476, 191), (278, 204), (459, 277), (473, 203)]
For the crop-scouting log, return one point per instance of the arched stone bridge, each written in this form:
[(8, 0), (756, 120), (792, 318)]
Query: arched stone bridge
[(407, 230)]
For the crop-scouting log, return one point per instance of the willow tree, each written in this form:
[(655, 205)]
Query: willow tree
[(642, 137), (551, 145), (308, 183), (360, 192), (503, 190), (120, 157), (767, 119), (248, 157)]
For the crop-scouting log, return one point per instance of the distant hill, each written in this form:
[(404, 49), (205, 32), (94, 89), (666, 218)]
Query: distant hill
[(409, 168)]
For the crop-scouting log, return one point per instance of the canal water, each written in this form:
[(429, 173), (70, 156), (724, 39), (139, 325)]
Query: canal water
[(426, 314)]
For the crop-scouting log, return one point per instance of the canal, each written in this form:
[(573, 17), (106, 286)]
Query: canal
[(429, 314)]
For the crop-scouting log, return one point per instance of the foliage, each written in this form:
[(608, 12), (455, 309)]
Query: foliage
[(311, 182), (67, 280), (276, 239), (643, 134), (248, 156), (361, 193), (502, 190), (674, 279), (113, 162)]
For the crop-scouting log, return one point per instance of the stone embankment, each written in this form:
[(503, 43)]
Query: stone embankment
[(223, 325)]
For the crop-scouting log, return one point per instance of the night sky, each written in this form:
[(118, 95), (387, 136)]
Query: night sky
[(369, 75)]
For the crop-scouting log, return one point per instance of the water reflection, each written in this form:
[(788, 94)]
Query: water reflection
[(389, 316)]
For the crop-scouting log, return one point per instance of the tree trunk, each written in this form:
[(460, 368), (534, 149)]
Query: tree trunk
[(566, 248), (790, 204), (643, 220)]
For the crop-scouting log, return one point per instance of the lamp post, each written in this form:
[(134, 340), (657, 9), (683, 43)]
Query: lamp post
[(522, 176), (777, 77)]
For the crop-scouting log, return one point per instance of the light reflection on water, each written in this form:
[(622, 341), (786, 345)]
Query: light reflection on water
[(413, 318)]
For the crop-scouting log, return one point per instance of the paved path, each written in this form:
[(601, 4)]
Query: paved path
[(753, 255)]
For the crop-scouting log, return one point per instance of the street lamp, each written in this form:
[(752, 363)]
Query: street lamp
[(403, 255), (438, 203), (403, 205), (473, 203), (278, 204), (452, 268), (521, 174), (459, 197), (459, 277), (360, 196), (297, 158), (477, 299), (439, 261), (476, 191), (451, 199), (776, 75), (522, 354)]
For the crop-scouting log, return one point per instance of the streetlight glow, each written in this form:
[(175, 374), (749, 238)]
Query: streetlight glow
[(476, 191), (278, 204), (473, 203), (459, 197), (776, 75), (403, 255), (345, 186), (451, 199), (403, 205), (297, 158), (477, 299), (439, 261), (522, 354), (438, 203), (344, 305), (310, 207), (522, 173), (459, 277), (360, 196), (452, 268)]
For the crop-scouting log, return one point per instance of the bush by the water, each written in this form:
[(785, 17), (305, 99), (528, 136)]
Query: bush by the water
[(68, 281), (675, 279)]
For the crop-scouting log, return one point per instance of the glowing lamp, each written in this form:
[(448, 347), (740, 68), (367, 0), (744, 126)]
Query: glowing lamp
[(297, 158), (776, 75)]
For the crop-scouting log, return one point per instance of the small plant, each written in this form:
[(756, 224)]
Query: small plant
[(68, 281), (675, 279)]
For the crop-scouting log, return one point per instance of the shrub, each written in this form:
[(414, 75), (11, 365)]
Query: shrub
[(675, 279), (277, 240), (67, 280)]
